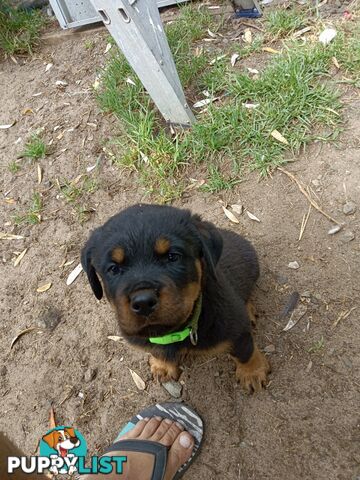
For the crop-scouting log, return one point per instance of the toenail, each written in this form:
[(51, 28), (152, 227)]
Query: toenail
[(179, 425), (185, 440), (158, 418), (168, 421)]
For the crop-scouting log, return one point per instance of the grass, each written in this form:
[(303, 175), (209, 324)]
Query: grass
[(35, 148), (19, 29), (74, 192), (217, 181), (294, 94), (281, 23), (14, 167), (33, 214), (317, 346)]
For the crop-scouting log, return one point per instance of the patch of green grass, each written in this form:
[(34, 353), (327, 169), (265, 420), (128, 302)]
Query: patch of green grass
[(317, 346), (293, 93), (217, 181), (281, 23), (33, 214), (14, 167), (89, 44), (35, 148), (19, 29), (75, 193)]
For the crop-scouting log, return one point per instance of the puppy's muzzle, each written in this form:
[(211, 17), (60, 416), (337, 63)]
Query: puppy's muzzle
[(144, 302)]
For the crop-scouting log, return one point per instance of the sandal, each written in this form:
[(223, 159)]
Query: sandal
[(177, 412)]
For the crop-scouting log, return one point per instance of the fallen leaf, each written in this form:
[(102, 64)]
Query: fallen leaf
[(10, 201), (108, 47), (23, 332), (234, 58), (20, 257), (211, 34), (70, 262), (301, 32), (27, 111), (252, 216), (96, 84), (61, 83), (220, 57), (248, 36), (277, 135), (334, 229), (230, 215), (251, 106), (37, 94), (52, 421), (90, 169), (130, 82), (39, 173), (74, 274), (139, 382), (335, 62), (44, 288), (296, 315), (5, 127), (237, 208), (48, 67), (270, 50), (202, 103), (253, 70), (115, 338), (10, 236), (327, 35)]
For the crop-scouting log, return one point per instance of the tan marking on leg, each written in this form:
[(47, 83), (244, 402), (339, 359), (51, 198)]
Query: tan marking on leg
[(252, 375), (162, 246), (118, 255), (162, 370), (251, 310)]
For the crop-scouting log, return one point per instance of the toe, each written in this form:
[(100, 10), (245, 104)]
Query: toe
[(179, 454), (171, 434), (150, 428), (136, 431), (163, 427)]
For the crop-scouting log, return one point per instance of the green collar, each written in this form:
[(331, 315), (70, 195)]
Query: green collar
[(190, 330)]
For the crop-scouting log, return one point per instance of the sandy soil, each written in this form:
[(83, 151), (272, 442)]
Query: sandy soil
[(306, 424)]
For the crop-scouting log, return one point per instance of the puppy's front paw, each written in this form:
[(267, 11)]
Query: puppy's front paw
[(163, 371), (252, 375)]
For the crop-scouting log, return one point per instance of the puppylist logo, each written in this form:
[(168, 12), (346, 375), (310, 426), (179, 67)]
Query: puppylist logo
[(63, 451)]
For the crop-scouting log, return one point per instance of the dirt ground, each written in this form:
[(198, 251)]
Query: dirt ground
[(306, 424)]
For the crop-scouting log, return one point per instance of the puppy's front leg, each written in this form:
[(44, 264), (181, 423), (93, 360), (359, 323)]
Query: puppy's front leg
[(164, 370), (252, 367)]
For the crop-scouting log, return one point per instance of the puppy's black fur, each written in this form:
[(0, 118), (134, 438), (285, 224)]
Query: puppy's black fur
[(168, 256)]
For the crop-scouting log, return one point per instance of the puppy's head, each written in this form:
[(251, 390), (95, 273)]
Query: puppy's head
[(152, 261)]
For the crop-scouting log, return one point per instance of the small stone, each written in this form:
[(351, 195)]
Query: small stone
[(270, 349), (334, 229), (347, 236), (173, 388), (49, 319), (294, 265), (349, 208), (61, 83), (90, 374), (3, 371), (316, 183)]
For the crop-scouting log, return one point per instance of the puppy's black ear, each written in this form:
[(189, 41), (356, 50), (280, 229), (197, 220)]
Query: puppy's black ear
[(211, 241), (90, 270)]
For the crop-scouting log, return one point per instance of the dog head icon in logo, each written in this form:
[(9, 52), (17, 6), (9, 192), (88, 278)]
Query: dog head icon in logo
[(63, 443), (62, 440)]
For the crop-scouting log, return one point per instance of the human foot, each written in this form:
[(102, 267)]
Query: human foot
[(160, 443)]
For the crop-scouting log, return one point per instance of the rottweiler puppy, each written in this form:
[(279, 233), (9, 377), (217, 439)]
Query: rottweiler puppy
[(179, 286)]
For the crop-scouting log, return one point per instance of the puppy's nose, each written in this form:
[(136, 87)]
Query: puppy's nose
[(143, 302)]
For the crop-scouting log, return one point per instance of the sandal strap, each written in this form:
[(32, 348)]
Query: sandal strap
[(159, 452)]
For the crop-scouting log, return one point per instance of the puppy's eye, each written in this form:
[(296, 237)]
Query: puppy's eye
[(114, 269), (174, 257)]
